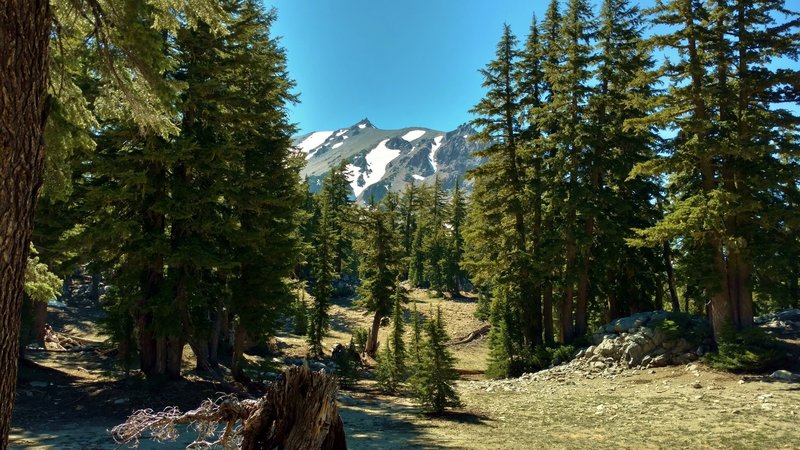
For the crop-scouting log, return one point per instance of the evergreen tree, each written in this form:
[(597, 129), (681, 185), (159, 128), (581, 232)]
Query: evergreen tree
[(323, 280), (336, 191), (397, 335), (499, 196), (386, 373), (733, 135), (391, 368), (455, 251), (379, 266), (124, 37), (625, 77), (416, 336), (433, 382)]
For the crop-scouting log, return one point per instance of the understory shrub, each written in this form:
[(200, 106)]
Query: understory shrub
[(748, 350)]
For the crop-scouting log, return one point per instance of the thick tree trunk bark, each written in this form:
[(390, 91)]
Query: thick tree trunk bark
[(24, 106), (298, 411)]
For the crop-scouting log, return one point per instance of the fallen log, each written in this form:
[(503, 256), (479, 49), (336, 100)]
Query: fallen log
[(479, 333), (298, 411)]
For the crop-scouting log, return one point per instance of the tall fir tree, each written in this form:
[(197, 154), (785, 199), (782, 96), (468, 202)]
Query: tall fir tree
[(500, 190)]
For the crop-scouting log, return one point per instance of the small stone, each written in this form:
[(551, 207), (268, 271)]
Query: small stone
[(121, 401), (652, 371), (741, 381), (697, 385)]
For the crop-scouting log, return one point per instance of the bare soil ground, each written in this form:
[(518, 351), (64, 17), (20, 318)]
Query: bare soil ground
[(72, 404)]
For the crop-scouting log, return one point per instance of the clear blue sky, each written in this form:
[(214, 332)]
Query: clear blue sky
[(399, 63)]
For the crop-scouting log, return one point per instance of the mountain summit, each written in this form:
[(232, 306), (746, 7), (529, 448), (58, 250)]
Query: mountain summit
[(382, 161)]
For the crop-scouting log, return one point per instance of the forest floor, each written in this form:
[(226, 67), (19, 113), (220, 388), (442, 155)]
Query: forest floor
[(70, 400)]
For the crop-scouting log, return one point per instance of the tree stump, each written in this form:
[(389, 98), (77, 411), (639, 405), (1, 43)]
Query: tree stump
[(298, 412)]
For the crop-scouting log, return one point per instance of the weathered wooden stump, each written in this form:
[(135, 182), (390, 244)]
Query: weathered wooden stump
[(298, 412)]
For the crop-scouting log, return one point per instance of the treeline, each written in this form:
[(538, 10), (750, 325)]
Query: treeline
[(192, 225), (629, 172)]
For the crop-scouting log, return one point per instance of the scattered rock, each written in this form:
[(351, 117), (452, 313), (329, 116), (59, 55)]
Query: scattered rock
[(784, 375), (121, 401), (697, 385)]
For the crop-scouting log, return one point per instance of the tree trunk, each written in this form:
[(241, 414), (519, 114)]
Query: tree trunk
[(213, 350), (567, 332), (794, 287), (299, 412), (659, 294), (371, 347), (39, 322), (582, 302), (24, 107), (673, 293), (238, 353), (547, 306)]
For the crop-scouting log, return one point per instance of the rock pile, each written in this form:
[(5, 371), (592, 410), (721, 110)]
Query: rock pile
[(640, 341), (785, 323)]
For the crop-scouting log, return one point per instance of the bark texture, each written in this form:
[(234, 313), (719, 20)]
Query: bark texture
[(298, 412), (24, 39)]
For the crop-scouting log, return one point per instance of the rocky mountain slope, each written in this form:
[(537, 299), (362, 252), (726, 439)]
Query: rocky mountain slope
[(382, 161)]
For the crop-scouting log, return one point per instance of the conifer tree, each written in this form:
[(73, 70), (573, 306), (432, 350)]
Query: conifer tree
[(416, 336), (433, 381), (500, 189), (625, 77), (455, 251), (380, 255), (397, 336), (734, 133), (323, 271), (391, 369), (336, 191)]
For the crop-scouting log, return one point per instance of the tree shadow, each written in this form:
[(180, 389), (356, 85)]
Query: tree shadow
[(377, 425), (465, 417)]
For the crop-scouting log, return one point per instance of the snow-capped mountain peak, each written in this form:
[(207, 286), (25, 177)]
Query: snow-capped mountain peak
[(387, 160)]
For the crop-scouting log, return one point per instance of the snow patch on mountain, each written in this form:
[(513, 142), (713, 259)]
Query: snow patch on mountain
[(314, 140), (337, 145), (418, 177), (413, 135), (362, 125), (341, 132), (377, 160), (437, 142)]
